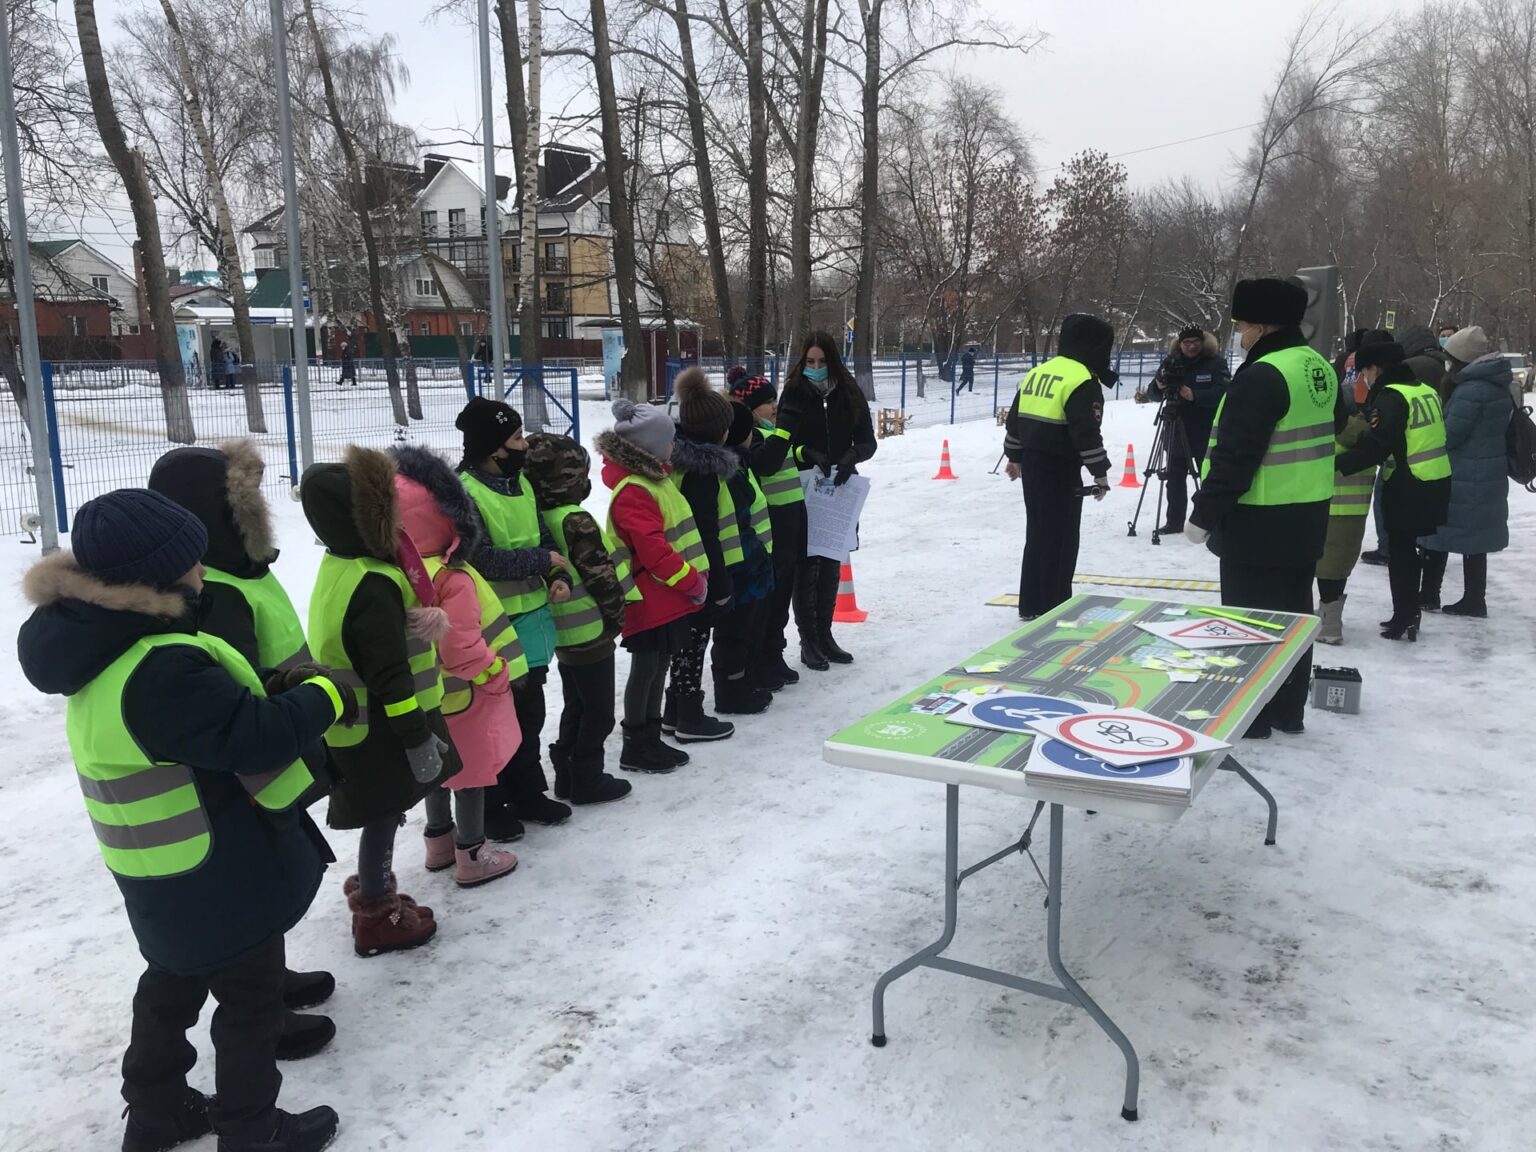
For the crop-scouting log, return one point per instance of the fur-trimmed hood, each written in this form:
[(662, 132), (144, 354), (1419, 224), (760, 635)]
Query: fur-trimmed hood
[(630, 457), (222, 488), (1211, 347), (559, 470), (351, 505), (82, 623), (452, 503), (703, 459)]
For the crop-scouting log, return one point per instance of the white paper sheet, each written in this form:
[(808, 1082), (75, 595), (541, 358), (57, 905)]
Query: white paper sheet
[(832, 514)]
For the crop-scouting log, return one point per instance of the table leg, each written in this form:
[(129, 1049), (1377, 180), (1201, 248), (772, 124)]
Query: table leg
[(951, 896), (1232, 764), (1053, 952)]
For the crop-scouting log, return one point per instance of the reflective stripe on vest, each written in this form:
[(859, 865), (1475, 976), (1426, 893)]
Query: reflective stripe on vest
[(732, 552), (512, 522), (761, 518), (1044, 392), (148, 817), (1298, 465), (783, 487), (496, 629), (334, 587), (579, 620), (1351, 494), (280, 639), (1427, 457), (677, 521)]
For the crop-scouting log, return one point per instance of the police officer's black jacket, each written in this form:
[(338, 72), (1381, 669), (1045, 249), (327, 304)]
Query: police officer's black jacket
[(1087, 340), (1274, 535), (1408, 503), (264, 868)]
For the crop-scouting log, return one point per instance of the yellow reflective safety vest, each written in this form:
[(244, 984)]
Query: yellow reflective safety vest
[(280, 639), (1351, 494), (677, 520), (760, 518), (512, 522), (334, 587), (783, 487), (1045, 390), (1298, 465), (1427, 457), (732, 551), (496, 628), (579, 620), (148, 816)]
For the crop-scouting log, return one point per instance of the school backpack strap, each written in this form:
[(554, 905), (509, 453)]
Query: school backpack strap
[(1520, 448)]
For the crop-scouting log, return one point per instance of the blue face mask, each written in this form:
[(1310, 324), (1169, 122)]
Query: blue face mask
[(816, 375), (1443, 339)]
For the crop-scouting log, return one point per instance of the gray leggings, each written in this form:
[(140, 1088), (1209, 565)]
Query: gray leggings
[(376, 856), (646, 686), (468, 804)]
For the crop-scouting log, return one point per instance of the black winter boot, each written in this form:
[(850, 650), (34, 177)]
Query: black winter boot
[(834, 653), (157, 1133), (826, 607), (295, 1132), (306, 989), (562, 766), (641, 754), (539, 808), (740, 697), (779, 671), (676, 756), (501, 827), (812, 656), (304, 1035), (669, 712), (694, 725), (591, 785)]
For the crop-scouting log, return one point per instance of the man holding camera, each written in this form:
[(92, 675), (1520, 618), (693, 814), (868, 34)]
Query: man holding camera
[(1191, 382)]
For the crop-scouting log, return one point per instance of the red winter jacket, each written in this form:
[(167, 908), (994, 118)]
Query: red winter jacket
[(638, 524)]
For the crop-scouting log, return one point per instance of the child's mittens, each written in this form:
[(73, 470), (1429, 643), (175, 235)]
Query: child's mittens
[(429, 624)]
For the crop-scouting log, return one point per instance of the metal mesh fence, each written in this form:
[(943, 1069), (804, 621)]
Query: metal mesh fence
[(108, 422)]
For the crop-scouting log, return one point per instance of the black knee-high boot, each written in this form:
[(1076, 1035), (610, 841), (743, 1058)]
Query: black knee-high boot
[(828, 582), (808, 614)]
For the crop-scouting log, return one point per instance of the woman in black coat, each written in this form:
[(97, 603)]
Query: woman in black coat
[(830, 430)]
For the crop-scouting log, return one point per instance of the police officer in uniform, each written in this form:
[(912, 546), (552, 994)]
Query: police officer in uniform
[(1053, 434), (1268, 476)]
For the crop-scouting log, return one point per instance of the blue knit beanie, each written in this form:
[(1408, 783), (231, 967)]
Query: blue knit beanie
[(135, 536)]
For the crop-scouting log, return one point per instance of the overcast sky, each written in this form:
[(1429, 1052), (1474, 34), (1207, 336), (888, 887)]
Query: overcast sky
[(1130, 77)]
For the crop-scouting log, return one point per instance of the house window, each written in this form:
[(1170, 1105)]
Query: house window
[(133, 329), (425, 288), (557, 329), (602, 211), (456, 222), (555, 297), (426, 328), (99, 283), (554, 257), (429, 223), (75, 325), (466, 329), (266, 257)]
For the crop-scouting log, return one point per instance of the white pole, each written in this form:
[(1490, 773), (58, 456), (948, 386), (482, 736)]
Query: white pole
[(296, 309), (26, 304), (498, 290)]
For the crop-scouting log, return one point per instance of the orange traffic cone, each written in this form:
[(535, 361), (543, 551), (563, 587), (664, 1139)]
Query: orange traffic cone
[(847, 610), (945, 471), (1129, 479)]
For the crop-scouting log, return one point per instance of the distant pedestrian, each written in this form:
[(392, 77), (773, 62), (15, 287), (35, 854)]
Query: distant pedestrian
[(348, 365), (967, 381), (215, 362), (231, 367)]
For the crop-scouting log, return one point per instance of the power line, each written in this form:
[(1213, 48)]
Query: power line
[(1169, 144)]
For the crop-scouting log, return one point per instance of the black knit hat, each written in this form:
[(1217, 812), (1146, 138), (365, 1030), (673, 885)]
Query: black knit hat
[(487, 425), (702, 413), (1281, 303), (1379, 350), (754, 391), (1191, 332), (742, 424), (135, 536)]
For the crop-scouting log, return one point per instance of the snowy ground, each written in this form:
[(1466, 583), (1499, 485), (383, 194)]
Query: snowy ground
[(691, 969)]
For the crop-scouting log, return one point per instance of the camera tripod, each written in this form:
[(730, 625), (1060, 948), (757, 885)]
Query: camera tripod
[(1168, 426)]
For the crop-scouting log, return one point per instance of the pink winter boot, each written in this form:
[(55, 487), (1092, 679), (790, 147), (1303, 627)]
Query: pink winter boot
[(482, 864), (440, 853)]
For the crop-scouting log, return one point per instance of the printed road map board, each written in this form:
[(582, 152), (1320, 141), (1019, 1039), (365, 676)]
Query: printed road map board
[(1092, 660)]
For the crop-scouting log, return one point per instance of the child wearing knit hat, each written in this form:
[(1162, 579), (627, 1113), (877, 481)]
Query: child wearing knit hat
[(654, 530)]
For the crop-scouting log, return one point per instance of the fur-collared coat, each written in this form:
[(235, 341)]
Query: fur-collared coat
[(352, 508), (638, 524), (181, 706)]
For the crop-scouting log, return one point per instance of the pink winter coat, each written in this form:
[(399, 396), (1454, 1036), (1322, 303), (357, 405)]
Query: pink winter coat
[(487, 733)]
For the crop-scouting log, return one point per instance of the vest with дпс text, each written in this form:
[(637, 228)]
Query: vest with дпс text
[(1297, 467), (334, 587), (511, 522), (579, 620), (1044, 392), (148, 816), (280, 639), (1427, 457)]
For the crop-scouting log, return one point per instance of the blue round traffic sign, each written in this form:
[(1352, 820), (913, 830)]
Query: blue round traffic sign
[(1066, 756), (1015, 713)]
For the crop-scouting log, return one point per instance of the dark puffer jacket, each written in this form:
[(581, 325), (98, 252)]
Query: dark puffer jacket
[(699, 470), (1089, 341), (1206, 376), (839, 427), (351, 506), (1476, 422), (560, 472), (181, 706)]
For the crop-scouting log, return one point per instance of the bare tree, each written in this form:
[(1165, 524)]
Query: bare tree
[(129, 163), (812, 61)]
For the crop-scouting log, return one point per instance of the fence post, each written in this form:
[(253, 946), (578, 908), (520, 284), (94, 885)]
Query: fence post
[(954, 392), (997, 380), (773, 365), (55, 454), (903, 381), (576, 405), (469, 380), (293, 444)]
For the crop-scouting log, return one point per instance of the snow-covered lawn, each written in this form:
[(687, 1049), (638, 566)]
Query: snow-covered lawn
[(691, 969)]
